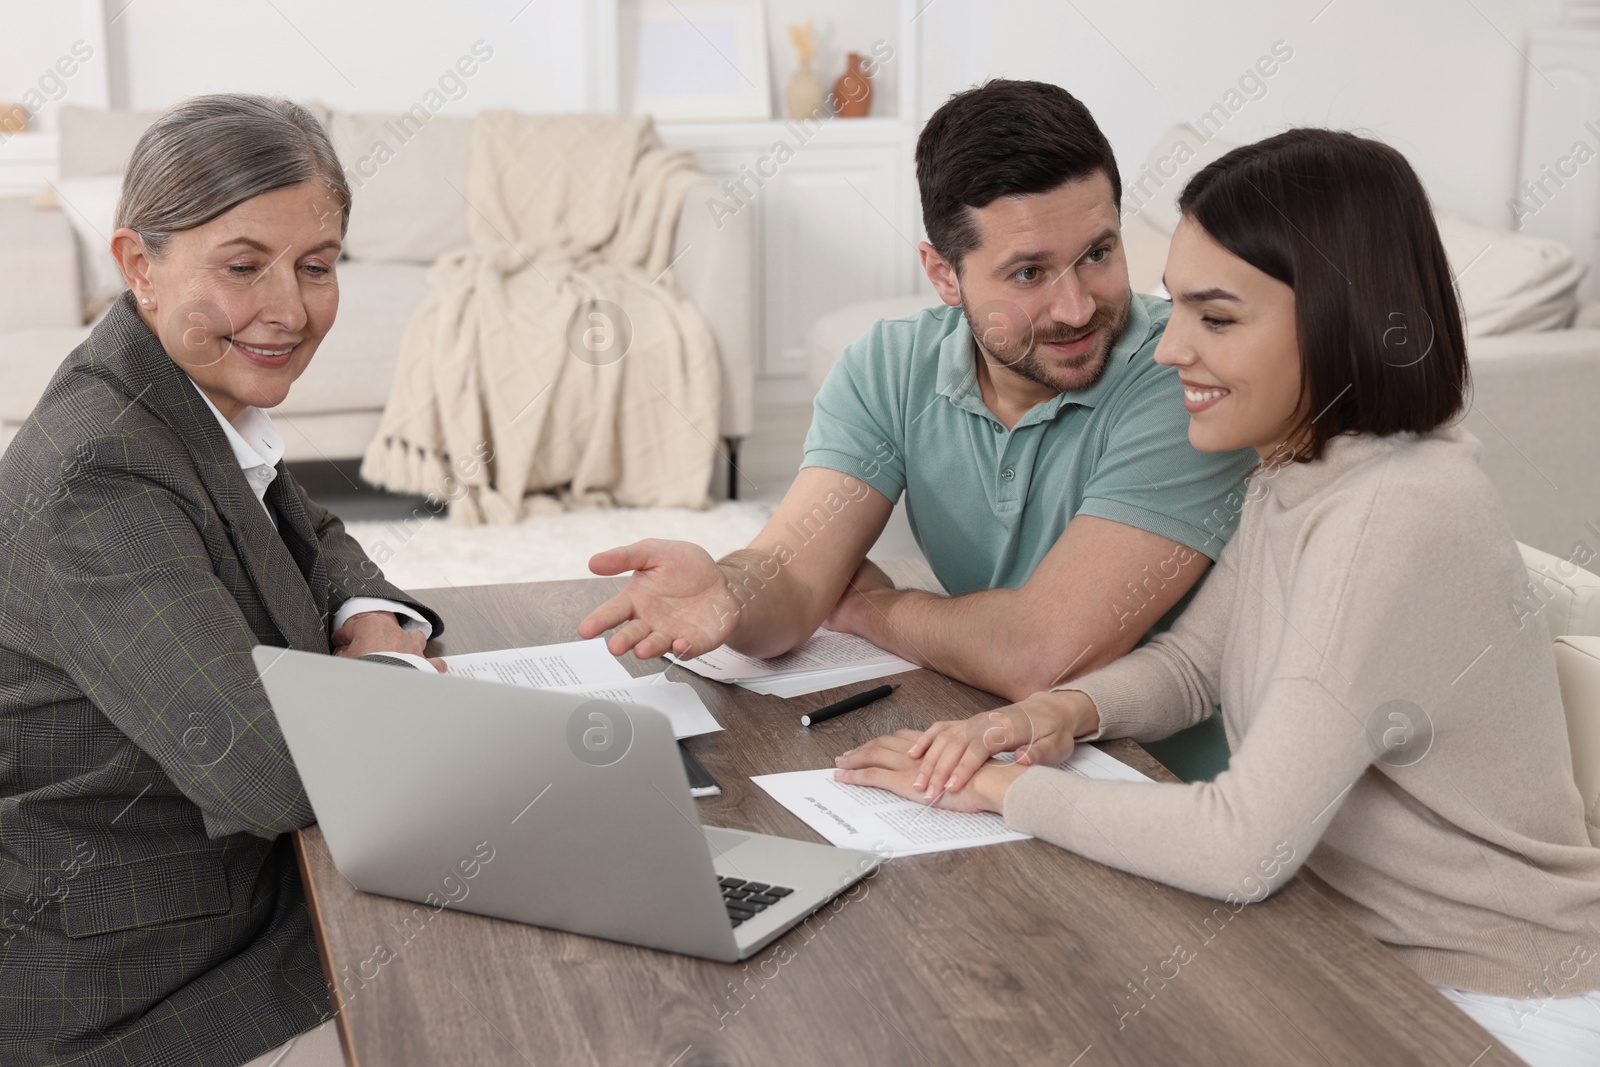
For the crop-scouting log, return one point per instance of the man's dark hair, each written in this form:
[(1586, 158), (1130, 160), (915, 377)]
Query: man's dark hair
[(1004, 138), (1344, 222)]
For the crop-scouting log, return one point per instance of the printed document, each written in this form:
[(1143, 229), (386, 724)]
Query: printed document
[(875, 820), (828, 660), (586, 667)]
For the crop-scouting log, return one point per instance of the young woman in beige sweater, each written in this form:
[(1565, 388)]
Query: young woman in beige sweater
[(1396, 730)]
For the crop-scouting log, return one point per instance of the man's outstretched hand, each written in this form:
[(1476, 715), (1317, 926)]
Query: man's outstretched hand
[(677, 601)]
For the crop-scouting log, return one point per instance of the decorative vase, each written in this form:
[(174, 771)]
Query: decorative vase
[(853, 91), (803, 98)]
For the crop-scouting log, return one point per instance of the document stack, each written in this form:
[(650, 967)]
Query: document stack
[(827, 660)]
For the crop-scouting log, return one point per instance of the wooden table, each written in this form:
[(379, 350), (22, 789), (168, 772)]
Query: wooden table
[(1017, 953)]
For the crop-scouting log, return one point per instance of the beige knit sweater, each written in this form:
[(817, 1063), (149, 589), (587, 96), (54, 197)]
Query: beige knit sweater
[(1367, 600)]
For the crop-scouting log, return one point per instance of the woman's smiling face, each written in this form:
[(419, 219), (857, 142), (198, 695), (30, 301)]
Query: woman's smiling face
[(1232, 338), (242, 302)]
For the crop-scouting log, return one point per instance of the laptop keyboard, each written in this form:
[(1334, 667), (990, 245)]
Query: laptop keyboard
[(744, 899)]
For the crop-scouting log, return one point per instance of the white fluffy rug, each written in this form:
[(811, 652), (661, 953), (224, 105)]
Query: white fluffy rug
[(425, 552)]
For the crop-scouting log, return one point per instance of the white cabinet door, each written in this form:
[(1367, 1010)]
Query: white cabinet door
[(835, 216), (835, 232), (1559, 193)]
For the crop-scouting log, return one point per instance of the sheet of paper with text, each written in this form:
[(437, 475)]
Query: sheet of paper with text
[(875, 820)]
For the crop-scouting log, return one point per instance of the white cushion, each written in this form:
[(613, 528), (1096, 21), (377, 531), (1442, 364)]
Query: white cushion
[(1179, 154), (90, 205), (829, 335), (96, 142), (39, 261), (1145, 246), (355, 364), (408, 181), (1510, 282), (1578, 665), (1560, 593)]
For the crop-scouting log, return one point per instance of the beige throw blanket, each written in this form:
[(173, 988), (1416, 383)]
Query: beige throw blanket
[(555, 354)]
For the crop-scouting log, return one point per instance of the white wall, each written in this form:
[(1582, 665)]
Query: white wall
[(378, 54), (370, 55), (1442, 80), (1434, 78), (50, 53)]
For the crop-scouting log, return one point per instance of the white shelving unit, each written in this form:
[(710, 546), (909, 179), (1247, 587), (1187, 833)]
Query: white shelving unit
[(27, 162), (835, 205)]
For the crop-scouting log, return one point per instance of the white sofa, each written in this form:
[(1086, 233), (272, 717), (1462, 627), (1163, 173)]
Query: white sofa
[(405, 215), (1567, 598), (1533, 347)]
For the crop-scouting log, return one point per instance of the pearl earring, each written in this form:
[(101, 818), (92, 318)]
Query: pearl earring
[(145, 300)]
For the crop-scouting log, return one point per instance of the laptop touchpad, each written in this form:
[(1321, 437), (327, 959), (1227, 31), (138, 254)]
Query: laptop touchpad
[(723, 842)]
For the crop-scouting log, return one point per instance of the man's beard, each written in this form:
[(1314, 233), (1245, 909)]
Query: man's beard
[(1020, 354)]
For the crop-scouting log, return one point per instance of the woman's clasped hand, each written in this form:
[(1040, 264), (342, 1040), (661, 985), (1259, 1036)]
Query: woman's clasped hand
[(951, 763)]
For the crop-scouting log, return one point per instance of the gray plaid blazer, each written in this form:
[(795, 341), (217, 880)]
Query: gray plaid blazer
[(153, 912)]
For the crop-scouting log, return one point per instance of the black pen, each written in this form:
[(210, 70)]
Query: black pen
[(860, 700)]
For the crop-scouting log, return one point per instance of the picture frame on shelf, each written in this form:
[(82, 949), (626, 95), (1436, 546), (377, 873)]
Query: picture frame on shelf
[(696, 60)]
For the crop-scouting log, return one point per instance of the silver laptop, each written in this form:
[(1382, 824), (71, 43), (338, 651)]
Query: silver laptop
[(543, 807)]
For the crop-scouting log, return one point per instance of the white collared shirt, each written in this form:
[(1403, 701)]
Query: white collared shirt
[(258, 446)]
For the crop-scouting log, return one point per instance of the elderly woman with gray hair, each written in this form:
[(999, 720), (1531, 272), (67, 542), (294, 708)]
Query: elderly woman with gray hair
[(153, 912)]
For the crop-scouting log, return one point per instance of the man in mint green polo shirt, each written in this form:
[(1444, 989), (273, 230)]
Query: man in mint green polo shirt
[(987, 502), (1042, 453)]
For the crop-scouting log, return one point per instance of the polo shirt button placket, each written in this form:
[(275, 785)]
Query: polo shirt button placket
[(1007, 494)]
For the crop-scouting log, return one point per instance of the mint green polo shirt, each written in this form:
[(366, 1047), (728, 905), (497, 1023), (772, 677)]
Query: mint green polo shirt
[(902, 411)]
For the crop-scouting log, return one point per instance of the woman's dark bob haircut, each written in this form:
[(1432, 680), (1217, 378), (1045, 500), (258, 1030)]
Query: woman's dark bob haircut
[(1344, 222)]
